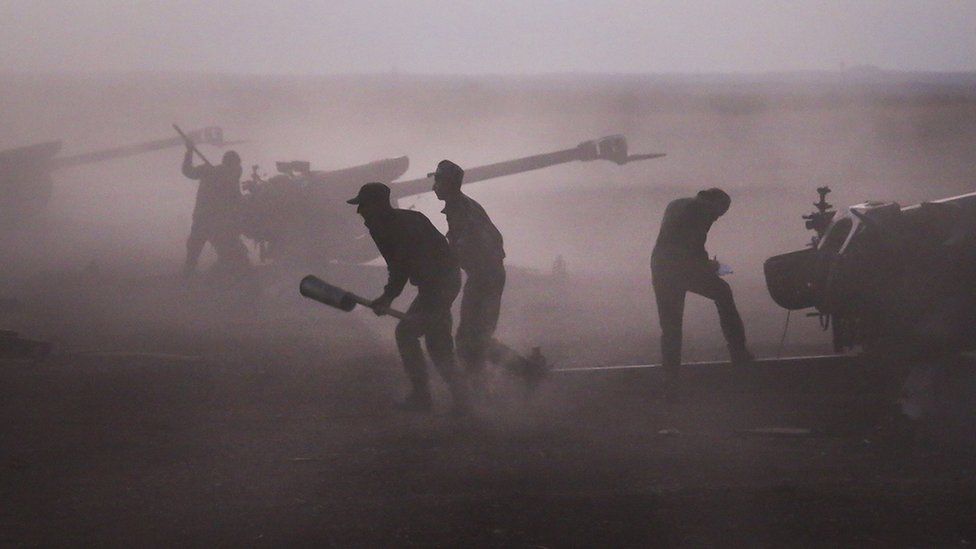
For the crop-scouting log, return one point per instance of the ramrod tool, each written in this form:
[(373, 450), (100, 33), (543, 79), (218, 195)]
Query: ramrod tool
[(191, 145), (531, 369)]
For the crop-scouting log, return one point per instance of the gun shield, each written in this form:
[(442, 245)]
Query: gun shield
[(315, 288)]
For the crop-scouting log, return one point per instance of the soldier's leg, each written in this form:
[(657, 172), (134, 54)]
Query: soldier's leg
[(194, 245), (435, 305), (493, 307), (408, 333), (670, 296), (470, 327), (710, 285), (231, 252), (440, 343), (480, 308)]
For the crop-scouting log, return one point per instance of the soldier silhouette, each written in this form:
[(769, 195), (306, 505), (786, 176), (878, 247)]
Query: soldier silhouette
[(680, 264), (479, 247), (215, 214), (417, 252)]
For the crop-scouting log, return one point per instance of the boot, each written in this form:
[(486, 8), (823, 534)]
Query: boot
[(740, 356)]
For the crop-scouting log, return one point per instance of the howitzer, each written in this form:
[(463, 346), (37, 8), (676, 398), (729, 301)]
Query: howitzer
[(301, 214), (532, 369)]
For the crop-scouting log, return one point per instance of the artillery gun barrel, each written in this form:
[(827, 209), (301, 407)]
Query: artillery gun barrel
[(212, 135), (612, 148), (490, 171)]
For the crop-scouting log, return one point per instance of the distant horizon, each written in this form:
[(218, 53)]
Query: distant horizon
[(856, 70)]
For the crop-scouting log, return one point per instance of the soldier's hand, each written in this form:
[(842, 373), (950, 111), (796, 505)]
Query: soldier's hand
[(380, 305), (714, 264)]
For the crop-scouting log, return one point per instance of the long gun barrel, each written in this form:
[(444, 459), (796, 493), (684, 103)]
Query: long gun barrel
[(612, 148), (210, 135)]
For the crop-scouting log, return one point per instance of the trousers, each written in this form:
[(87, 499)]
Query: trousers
[(670, 286), (225, 239), (480, 307), (429, 316)]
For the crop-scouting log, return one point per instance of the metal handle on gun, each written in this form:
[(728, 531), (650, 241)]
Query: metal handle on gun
[(190, 145)]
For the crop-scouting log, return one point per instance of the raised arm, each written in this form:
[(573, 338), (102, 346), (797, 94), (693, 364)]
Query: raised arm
[(189, 170)]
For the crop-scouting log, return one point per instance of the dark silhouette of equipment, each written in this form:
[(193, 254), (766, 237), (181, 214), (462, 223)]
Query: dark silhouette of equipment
[(25, 172), (532, 369), (819, 220), (300, 214), (883, 276)]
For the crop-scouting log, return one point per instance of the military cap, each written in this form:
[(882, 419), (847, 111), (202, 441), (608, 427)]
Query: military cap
[(371, 193), (449, 170)]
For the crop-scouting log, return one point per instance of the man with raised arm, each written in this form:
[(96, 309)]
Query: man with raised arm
[(215, 212)]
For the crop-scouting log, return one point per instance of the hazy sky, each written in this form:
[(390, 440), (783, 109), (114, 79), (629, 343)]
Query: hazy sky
[(483, 36)]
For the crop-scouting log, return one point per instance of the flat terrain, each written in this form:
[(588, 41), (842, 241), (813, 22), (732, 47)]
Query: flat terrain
[(274, 426)]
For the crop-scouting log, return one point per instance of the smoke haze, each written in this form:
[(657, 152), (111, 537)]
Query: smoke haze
[(769, 141), (235, 412), (471, 37)]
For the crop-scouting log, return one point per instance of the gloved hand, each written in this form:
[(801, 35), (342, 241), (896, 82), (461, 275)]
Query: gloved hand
[(380, 305)]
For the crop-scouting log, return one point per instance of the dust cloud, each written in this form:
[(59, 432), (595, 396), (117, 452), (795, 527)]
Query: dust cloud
[(769, 141)]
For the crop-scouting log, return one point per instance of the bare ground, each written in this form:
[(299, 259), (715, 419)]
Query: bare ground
[(274, 427)]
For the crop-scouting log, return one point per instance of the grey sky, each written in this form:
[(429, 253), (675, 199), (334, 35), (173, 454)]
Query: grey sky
[(465, 36)]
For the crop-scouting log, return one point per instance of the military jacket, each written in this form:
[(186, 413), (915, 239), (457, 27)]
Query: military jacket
[(414, 250), (475, 240), (219, 192), (681, 240)]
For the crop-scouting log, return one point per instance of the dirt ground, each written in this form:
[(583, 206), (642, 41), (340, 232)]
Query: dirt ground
[(270, 423)]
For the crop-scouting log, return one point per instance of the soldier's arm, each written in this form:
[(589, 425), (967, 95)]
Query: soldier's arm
[(396, 275), (459, 229), (189, 170), (489, 237), (395, 282), (701, 219)]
